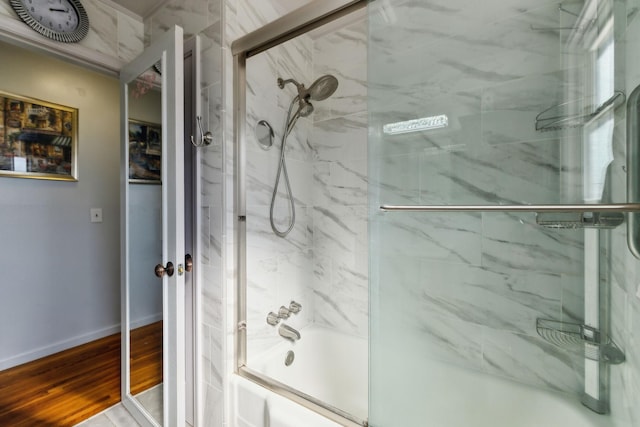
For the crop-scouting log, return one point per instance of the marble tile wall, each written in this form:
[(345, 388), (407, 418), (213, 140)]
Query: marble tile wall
[(194, 16), (323, 262), (340, 180), (239, 18), (470, 286), (112, 32), (278, 269)]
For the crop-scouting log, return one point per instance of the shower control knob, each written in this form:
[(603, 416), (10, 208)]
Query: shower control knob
[(295, 307), (284, 312), (272, 319)]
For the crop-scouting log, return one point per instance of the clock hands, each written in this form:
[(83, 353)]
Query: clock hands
[(58, 10)]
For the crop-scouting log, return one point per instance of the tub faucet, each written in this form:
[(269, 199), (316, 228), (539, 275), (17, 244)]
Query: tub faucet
[(288, 332)]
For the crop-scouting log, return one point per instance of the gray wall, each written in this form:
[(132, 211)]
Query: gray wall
[(61, 283)]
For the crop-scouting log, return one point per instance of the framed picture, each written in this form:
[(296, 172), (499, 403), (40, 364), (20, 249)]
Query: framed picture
[(38, 139), (145, 152)]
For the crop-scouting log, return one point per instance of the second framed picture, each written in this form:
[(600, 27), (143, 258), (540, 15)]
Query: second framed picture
[(145, 152)]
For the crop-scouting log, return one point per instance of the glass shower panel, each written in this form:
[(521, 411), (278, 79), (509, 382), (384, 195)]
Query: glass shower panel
[(500, 99), (472, 311), (306, 215)]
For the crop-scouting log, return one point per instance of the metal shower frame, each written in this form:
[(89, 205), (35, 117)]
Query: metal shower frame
[(298, 22)]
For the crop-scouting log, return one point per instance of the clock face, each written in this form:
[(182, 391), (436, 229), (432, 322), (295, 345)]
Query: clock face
[(60, 20)]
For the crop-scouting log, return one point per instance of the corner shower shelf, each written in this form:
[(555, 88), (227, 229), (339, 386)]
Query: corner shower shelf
[(574, 220), (580, 339), (557, 117)]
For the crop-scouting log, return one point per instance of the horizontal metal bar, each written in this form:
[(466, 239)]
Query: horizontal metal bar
[(298, 22), (621, 207), (328, 411)]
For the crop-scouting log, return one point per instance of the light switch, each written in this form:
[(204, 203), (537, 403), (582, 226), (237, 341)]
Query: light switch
[(96, 214)]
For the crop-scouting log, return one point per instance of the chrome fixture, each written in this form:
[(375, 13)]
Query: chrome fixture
[(319, 90), (289, 358), (288, 332), (264, 134), (633, 170), (206, 138), (580, 339), (295, 307), (558, 116), (284, 312), (575, 220), (612, 207), (273, 318)]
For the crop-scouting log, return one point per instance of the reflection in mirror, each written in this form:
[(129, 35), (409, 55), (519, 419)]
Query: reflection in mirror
[(264, 134), (145, 240)]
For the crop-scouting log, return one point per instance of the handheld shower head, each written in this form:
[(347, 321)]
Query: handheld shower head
[(305, 108), (322, 88), (319, 90)]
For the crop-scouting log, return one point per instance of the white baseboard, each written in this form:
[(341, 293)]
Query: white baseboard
[(144, 321), (48, 350), (57, 347)]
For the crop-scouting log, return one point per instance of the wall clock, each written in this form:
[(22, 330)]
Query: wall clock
[(60, 20)]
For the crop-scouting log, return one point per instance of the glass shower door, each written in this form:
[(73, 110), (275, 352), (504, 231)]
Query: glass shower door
[(502, 301)]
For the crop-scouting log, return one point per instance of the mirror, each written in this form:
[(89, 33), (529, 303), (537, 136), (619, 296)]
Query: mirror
[(264, 134), (145, 240)]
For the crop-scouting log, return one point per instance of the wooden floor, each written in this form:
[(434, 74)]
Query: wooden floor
[(68, 387)]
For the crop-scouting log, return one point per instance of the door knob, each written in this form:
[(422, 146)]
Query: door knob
[(160, 270), (188, 263)]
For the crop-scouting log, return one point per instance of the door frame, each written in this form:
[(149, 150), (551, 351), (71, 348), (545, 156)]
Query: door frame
[(169, 48), (192, 47)]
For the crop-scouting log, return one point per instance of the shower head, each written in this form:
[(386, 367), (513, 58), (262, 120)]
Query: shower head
[(319, 90), (322, 88), (305, 108)]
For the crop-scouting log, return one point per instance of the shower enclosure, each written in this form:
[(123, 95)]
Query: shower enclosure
[(502, 288), (465, 213), (302, 209)]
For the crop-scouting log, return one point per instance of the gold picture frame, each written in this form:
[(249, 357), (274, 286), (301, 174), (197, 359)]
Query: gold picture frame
[(38, 139)]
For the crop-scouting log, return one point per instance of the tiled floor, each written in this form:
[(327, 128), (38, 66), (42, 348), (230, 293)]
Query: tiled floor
[(117, 416)]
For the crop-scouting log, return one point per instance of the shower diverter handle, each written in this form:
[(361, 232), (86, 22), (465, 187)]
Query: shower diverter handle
[(295, 307), (284, 312)]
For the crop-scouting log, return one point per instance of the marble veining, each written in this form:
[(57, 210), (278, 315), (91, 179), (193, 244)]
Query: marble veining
[(130, 37), (104, 22)]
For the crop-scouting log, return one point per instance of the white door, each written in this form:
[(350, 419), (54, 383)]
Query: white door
[(152, 215)]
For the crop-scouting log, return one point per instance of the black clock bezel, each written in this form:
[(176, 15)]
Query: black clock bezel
[(75, 36)]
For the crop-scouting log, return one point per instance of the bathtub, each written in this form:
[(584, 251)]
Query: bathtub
[(333, 367), (330, 366)]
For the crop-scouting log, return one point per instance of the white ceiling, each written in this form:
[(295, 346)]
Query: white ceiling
[(142, 8)]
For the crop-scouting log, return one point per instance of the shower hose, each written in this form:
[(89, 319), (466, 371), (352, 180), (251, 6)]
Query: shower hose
[(282, 171)]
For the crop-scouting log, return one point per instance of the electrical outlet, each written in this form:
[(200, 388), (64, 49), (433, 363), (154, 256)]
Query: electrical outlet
[(96, 214)]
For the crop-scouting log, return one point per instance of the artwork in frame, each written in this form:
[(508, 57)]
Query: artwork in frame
[(38, 139), (145, 152)]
